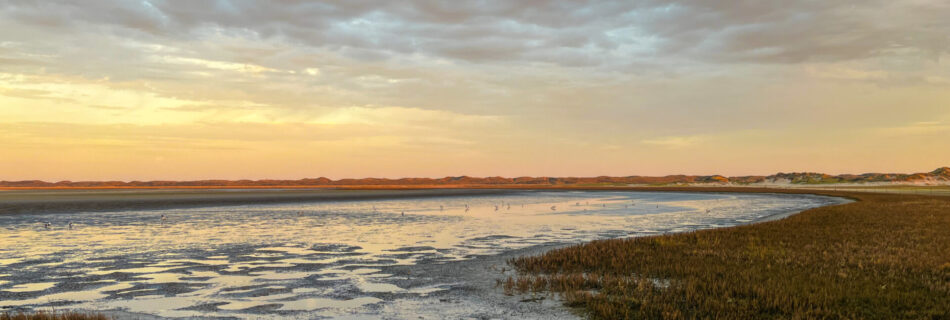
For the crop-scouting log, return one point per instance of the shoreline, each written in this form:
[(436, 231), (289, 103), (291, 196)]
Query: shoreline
[(475, 279), (50, 201)]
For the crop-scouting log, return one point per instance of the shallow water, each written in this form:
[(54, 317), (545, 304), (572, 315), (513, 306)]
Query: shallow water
[(324, 259)]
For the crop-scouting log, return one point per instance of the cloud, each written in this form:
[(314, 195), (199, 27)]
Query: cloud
[(219, 65), (506, 31), (515, 80), (403, 116), (921, 128), (676, 142), (837, 72)]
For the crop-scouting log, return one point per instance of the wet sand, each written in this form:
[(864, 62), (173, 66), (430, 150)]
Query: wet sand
[(470, 283), (475, 287), (80, 200)]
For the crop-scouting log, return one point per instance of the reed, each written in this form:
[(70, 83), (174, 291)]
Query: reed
[(883, 256)]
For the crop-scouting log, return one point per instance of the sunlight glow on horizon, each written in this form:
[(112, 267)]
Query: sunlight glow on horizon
[(189, 91)]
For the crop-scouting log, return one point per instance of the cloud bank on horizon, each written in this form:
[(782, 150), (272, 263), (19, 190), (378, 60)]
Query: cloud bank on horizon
[(288, 89)]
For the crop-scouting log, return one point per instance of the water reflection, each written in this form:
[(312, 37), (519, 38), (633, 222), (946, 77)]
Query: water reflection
[(319, 259)]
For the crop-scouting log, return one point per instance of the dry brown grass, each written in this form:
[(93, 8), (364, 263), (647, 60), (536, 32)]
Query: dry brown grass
[(53, 315), (883, 256)]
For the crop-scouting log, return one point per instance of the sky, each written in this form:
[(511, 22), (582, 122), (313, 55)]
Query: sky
[(182, 90)]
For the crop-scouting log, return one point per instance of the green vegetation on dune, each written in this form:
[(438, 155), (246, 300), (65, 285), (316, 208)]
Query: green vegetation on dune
[(883, 256)]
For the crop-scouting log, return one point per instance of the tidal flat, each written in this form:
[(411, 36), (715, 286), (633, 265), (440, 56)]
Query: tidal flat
[(374, 253)]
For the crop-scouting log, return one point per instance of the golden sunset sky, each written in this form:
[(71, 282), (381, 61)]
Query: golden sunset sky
[(143, 90)]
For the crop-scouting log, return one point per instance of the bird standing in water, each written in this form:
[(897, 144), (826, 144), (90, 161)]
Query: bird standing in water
[(163, 219)]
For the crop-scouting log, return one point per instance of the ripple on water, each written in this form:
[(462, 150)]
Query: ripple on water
[(31, 287)]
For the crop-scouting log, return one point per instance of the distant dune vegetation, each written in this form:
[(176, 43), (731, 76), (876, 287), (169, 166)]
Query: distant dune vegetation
[(939, 176)]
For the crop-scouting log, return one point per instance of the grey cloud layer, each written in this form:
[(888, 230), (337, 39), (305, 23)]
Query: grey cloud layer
[(566, 33), (580, 69)]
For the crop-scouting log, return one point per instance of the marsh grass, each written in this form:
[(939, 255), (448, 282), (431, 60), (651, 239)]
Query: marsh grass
[(883, 256)]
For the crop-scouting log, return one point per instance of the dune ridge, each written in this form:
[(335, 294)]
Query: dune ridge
[(938, 176)]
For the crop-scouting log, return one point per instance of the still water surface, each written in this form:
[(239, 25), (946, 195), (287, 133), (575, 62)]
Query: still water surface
[(322, 259)]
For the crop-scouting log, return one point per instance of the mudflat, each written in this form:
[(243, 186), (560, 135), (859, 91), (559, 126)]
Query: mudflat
[(78, 200)]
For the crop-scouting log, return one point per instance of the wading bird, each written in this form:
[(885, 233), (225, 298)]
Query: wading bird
[(163, 219), (553, 208)]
